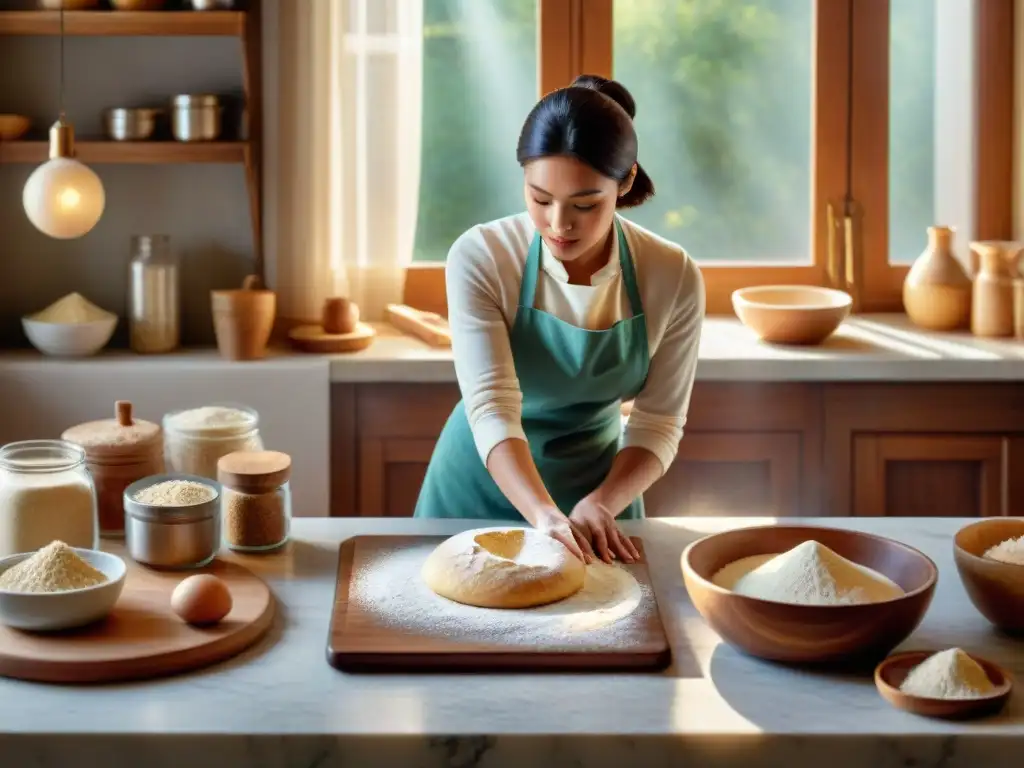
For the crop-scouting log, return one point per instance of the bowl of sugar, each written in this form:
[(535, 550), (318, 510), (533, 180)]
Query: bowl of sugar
[(59, 587), (989, 556), (808, 594), (70, 327)]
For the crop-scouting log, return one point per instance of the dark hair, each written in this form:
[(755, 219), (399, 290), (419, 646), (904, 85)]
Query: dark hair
[(591, 120)]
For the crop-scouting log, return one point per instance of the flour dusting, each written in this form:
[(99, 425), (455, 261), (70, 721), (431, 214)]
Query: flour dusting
[(608, 611)]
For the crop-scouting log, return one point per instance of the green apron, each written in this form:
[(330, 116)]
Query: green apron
[(573, 381)]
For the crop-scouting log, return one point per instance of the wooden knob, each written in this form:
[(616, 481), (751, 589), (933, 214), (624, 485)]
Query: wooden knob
[(340, 315), (124, 413)]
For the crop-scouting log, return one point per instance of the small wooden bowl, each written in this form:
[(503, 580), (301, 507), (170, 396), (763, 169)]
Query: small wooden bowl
[(891, 673), (809, 634), (13, 127), (995, 588), (791, 314)]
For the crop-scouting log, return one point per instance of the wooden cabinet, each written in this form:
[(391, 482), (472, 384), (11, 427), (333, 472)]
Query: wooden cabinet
[(731, 474), (774, 449)]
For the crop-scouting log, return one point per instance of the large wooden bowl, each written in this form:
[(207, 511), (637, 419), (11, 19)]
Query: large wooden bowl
[(995, 588), (791, 314), (809, 634)]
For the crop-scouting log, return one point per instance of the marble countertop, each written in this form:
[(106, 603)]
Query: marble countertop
[(280, 704), (872, 347)]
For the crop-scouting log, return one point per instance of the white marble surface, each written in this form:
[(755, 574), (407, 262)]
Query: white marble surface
[(865, 348), (280, 704)]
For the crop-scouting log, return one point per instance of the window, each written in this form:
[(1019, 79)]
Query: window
[(790, 141), (479, 83)]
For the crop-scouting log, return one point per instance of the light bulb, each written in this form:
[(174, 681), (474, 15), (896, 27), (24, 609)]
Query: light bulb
[(63, 198)]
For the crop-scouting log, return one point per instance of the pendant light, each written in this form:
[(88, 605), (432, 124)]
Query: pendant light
[(63, 198)]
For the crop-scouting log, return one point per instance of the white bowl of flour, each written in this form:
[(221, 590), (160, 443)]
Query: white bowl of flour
[(70, 327), (59, 587)]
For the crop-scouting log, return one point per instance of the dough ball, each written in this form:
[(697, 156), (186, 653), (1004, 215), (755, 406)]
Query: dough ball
[(503, 568)]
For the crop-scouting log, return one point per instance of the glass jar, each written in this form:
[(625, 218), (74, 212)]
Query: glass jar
[(154, 321), (196, 438), (256, 499), (118, 452), (46, 494)]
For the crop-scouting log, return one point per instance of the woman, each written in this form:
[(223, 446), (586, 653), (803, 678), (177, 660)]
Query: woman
[(557, 315)]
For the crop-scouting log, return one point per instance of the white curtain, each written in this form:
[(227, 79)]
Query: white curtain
[(343, 88)]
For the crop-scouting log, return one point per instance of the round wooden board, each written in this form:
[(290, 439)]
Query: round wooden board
[(142, 637), (311, 338)]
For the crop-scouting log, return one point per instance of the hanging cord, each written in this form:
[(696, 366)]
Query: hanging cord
[(61, 92)]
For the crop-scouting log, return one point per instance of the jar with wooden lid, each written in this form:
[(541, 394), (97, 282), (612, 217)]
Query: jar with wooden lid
[(118, 452), (256, 499)]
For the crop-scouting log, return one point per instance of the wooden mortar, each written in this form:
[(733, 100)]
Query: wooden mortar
[(243, 319)]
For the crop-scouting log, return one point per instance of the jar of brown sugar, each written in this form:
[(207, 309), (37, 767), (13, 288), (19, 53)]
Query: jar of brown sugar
[(256, 499), (118, 452)]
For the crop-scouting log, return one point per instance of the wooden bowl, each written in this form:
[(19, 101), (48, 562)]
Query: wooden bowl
[(891, 673), (995, 588), (809, 634), (13, 127), (791, 314)]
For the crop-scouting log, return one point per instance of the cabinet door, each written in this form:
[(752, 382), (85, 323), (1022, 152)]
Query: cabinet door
[(930, 475), (730, 473), (390, 475)]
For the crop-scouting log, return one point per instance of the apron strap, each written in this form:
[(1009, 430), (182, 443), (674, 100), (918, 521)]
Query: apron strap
[(528, 287), (636, 306)]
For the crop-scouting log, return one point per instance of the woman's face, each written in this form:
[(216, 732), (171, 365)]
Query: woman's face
[(571, 204)]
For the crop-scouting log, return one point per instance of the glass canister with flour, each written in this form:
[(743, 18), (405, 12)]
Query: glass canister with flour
[(196, 438), (118, 452), (46, 493)]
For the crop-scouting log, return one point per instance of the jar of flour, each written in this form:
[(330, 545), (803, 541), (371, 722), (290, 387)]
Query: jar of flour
[(196, 438), (46, 494)]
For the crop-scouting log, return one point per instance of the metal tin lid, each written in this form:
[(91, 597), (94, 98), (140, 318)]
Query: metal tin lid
[(254, 471), (120, 437), (196, 100), (178, 513)]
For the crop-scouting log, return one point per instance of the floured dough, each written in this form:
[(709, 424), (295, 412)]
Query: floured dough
[(503, 568)]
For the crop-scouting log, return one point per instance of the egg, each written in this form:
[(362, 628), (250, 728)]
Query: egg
[(201, 599)]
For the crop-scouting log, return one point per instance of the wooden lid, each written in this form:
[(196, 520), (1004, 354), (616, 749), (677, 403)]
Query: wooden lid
[(120, 436), (254, 471)]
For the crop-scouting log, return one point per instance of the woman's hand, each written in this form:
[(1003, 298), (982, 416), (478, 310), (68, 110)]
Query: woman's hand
[(598, 524), (556, 525)]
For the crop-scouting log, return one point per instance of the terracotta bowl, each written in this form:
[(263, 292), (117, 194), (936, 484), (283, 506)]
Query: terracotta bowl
[(13, 127), (995, 588), (809, 634), (890, 674), (791, 314)]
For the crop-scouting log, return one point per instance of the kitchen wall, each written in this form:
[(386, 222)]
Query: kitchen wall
[(204, 208)]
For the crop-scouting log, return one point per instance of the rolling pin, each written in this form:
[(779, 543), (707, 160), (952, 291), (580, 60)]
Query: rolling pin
[(427, 326)]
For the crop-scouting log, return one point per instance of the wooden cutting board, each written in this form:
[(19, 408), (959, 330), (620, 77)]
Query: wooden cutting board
[(142, 637), (367, 639)]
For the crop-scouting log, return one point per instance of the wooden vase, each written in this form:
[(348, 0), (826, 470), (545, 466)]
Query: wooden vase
[(937, 289)]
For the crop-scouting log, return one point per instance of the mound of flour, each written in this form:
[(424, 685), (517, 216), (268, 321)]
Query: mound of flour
[(808, 574), (608, 611)]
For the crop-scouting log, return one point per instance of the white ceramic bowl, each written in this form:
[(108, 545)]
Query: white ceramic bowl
[(69, 339), (48, 611)]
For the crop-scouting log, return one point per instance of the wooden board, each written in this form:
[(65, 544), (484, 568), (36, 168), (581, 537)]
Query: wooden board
[(142, 637), (312, 338), (359, 642)]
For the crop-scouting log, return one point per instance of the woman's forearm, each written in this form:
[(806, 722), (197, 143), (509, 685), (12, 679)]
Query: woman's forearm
[(633, 471), (512, 468)]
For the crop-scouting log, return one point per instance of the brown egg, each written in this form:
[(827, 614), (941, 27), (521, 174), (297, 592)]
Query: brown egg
[(201, 599)]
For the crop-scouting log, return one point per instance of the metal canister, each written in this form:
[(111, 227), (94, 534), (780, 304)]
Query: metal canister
[(196, 117), (154, 310), (176, 537)]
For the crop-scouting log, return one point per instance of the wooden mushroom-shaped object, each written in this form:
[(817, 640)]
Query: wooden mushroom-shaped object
[(339, 330), (340, 315), (243, 319)]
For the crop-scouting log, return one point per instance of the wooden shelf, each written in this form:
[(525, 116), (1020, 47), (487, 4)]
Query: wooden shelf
[(124, 23), (137, 152)]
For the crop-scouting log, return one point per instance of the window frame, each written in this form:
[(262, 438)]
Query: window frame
[(850, 145)]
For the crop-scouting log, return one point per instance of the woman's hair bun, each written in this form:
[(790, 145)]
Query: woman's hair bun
[(613, 89)]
